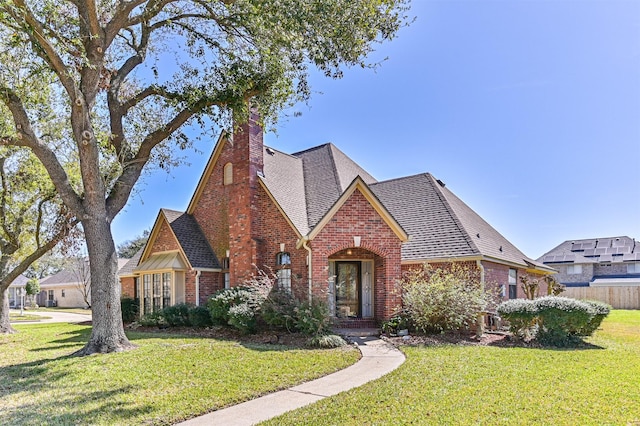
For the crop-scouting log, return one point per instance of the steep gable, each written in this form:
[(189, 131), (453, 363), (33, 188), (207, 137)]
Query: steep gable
[(327, 174)]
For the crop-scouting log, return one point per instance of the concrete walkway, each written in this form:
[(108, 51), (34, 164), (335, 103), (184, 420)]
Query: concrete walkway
[(378, 359), (53, 317)]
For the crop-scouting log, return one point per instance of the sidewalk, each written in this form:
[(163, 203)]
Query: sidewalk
[(378, 359), (54, 317)]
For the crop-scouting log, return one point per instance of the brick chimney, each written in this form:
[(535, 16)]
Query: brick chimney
[(248, 162)]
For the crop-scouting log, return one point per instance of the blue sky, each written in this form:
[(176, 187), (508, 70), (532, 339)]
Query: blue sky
[(529, 111)]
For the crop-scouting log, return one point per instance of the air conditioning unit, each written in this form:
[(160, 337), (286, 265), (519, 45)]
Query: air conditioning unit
[(51, 304)]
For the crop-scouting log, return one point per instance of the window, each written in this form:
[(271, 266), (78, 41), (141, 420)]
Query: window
[(633, 268), (283, 263), (513, 284), (574, 269), (227, 178), (146, 298), (225, 272), (63, 292), (50, 295), (156, 290)]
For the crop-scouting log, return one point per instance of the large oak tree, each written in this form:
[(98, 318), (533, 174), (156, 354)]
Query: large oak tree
[(127, 75)]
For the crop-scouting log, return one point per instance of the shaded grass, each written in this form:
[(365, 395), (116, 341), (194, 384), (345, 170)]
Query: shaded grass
[(167, 379), (452, 384)]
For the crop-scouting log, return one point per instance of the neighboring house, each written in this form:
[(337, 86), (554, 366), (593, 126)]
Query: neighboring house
[(14, 290), (66, 288), (322, 224), (596, 262)]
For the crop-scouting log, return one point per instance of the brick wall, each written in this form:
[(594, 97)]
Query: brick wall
[(358, 218), (128, 285), (164, 240)]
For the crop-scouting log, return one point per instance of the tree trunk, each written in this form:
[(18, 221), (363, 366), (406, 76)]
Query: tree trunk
[(107, 334), (5, 323)]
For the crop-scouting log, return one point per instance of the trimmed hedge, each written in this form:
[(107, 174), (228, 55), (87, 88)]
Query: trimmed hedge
[(552, 320)]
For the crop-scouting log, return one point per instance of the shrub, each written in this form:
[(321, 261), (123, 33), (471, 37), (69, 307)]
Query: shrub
[(243, 317), (599, 311), (221, 302), (177, 315), (153, 319), (326, 341), (522, 315), (398, 322), (278, 310), (129, 308), (312, 318), (443, 298), (561, 319), (199, 316)]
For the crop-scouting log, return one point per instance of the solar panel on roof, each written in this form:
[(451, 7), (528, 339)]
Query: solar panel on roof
[(606, 258), (590, 252), (602, 250)]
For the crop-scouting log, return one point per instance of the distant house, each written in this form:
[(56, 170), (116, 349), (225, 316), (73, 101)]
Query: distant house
[(326, 227), (14, 290), (596, 262), (66, 289)]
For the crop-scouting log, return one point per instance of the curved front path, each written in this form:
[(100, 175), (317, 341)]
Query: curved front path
[(378, 359)]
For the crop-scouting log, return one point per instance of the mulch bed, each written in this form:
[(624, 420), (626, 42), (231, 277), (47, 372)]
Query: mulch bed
[(464, 339), (227, 333)]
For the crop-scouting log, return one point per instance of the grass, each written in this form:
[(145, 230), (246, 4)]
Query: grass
[(25, 317), (453, 384), (168, 378), (68, 310)]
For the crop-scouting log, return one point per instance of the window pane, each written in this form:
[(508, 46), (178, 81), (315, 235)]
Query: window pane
[(284, 279), (157, 295), (166, 289), (147, 294)]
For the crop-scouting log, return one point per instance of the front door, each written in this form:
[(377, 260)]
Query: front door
[(348, 290)]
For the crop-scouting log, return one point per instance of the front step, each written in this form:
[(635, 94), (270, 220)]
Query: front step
[(351, 323)]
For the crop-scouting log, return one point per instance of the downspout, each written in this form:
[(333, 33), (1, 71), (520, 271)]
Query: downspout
[(480, 327), (198, 272), (308, 249)]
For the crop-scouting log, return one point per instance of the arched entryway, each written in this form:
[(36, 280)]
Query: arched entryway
[(352, 278)]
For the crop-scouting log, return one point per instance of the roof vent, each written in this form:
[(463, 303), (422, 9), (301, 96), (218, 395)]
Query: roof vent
[(441, 183), (500, 248), (478, 235), (270, 151)]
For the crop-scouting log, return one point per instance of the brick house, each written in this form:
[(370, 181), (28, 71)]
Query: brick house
[(324, 225), (596, 262)]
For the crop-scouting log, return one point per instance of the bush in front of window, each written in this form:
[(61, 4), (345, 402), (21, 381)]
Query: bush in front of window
[(129, 308), (222, 301), (243, 317), (177, 315), (278, 310), (199, 317), (153, 319), (522, 316), (444, 299)]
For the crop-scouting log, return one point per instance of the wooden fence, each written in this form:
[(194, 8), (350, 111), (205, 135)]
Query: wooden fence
[(619, 297)]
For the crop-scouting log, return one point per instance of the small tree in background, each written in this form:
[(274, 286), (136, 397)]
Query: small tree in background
[(82, 273), (554, 288), (32, 288), (442, 299), (530, 286)]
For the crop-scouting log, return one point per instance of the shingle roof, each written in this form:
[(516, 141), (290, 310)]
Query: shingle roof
[(327, 173), (441, 226), (74, 271), (594, 250), (130, 265), (191, 239), (20, 281), (284, 177)]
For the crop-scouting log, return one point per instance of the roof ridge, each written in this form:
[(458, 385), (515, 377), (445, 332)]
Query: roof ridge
[(336, 175), (427, 174), (313, 148), (439, 191)]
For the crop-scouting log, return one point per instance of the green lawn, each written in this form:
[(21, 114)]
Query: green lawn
[(25, 317), (498, 385), (167, 379)]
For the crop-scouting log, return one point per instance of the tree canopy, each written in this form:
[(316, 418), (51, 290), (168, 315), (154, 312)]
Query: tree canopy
[(122, 78)]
